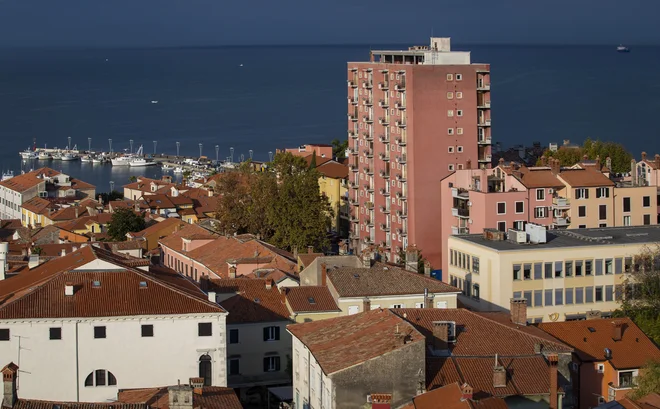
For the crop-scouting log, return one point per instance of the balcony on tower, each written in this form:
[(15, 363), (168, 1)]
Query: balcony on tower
[(401, 140), (352, 134), (384, 191), (460, 208), (353, 116), (367, 84), (401, 123), (369, 153), (385, 174), (400, 105), (368, 136), (400, 86), (352, 100), (384, 156), (384, 138), (368, 101), (401, 158), (385, 85), (384, 120), (368, 119)]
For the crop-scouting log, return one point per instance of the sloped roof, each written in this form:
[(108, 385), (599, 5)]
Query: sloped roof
[(42, 404), (310, 299), (338, 343), (82, 222), (212, 397), (587, 177), (191, 232), (120, 291), (158, 201), (37, 205), (383, 279), (253, 302), (307, 258), (451, 397), (23, 182), (537, 178), (334, 170), (591, 337)]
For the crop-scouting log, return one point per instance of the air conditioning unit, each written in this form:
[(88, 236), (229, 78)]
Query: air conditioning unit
[(518, 236), (369, 400), (469, 204), (551, 190)]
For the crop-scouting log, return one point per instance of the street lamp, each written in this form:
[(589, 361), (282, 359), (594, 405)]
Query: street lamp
[(89, 142), (217, 152), (178, 145), (200, 149), (131, 142), (155, 144), (110, 142), (251, 153)]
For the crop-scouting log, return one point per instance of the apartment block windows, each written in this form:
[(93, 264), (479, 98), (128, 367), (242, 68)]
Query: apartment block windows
[(459, 95), (588, 294), (519, 225), (234, 366), (233, 336), (517, 271), (450, 131), (608, 266), (501, 208), (559, 296), (540, 212), (582, 211), (626, 205), (558, 269), (450, 149), (569, 296), (582, 193), (527, 271), (647, 219), (459, 77), (475, 265), (603, 192), (501, 226), (540, 194), (450, 77), (579, 295), (538, 298), (271, 364), (450, 113), (147, 331), (450, 95), (598, 295), (548, 270), (4, 334), (569, 268), (459, 131), (204, 329), (459, 112), (99, 332), (520, 207), (578, 268), (55, 333), (450, 167), (271, 333), (646, 201), (588, 268), (459, 149)]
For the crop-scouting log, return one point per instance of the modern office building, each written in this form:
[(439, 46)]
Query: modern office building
[(414, 116)]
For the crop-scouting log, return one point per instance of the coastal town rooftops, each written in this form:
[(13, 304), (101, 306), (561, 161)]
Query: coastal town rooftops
[(601, 236), (92, 282), (310, 298), (453, 396), (249, 300), (205, 397), (533, 178), (22, 183), (42, 404), (342, 342), (587, 177), (628, 346), (190, 232), (333, 170), (383, 279), (157, 227), (38, 205)]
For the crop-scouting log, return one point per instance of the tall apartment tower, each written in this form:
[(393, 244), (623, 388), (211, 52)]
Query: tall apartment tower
[(414, 116)]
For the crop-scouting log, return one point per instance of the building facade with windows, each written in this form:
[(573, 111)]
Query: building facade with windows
[(563, 274), (86, 324), (413, 117)]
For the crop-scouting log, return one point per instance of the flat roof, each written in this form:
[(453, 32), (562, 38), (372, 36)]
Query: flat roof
[(575, 238)]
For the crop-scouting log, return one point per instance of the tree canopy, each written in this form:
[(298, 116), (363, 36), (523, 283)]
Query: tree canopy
[(282, 205), (648, 380), (569, 156), (339, 148), (124, 221)]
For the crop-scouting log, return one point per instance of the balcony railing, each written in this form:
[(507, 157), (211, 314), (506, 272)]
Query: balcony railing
[(352, 134), (402, 214), (401, 195), (459, 193), (384, 192), (384, 174), (486, 158), (368, 119), (383, 103), (384, 227), (484, 122), (384, 138), (562, 221), (401, 158), (384, 121), (353, 168), (483, 105), (400, 141), (561, 203), (369, 153), (384, 156), (352, 84), (354, 202), (400, 178), (368, 102), (352, 151), (368, 136), (401, 86), (457, 212), (483, 87), (367, 84), (401, 123), (355, 219), (352, 100), (369, 205), (459, 230), (385, 210), (400, 105), (485, 140), (370, 188), (353, 185), (369, 171), (385, 85)]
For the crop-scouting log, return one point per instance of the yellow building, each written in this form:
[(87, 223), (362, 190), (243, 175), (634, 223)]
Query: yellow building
[(35, 211), (563, 274), (333, 184)]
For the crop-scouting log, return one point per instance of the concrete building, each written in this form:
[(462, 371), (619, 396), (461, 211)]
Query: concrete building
[(87, 324), (321, 150), (509, 196), (414, 116), (608, 356), (563, 274)]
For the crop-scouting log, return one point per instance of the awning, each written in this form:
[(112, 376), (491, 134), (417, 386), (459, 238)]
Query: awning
[(283, 393)]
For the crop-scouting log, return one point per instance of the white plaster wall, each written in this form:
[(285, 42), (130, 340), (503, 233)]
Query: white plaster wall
[(306, 384)]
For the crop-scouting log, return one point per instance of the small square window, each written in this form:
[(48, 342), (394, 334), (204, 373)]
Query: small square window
[(501, 226), (647, 219), (450, 113), (450, 77), (450, 131), (450, 95), (4, 334), (99, 332), (646, 201), (459, 149), (233, 336), (55, 333), (501, 208), (460, 166), (459, 112), (450, 149), (204, 329), (459, 77), (450, 167), (459, 95), (459, 131), (147, 331), (520, 207)]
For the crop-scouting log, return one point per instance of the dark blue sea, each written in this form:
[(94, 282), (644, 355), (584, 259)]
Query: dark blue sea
[(264, 98)]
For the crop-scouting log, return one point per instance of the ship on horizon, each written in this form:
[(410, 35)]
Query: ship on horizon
[(622, 49)]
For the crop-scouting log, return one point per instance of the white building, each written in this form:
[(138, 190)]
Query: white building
[(18, 190), (85, 325)]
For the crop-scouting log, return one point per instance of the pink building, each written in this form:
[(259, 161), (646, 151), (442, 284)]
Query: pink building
[(414, 116), (324, 151)]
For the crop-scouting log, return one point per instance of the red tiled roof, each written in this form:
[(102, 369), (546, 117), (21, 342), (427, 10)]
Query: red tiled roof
[(632, 351), (21, 183), (191, 232), (212, 397), (82, 222), (333, 170), (310, 299), (383, 279), (308, 258), (253, 301), (158, 201), (39, 293), (537, 178), (451, 397), (180, 200), (144, 184), (587, 177), (338, 343), (79, 184), (42, 404), (37, 205)]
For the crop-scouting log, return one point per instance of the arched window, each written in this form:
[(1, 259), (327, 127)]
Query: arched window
[(100, 377), (205, 369)]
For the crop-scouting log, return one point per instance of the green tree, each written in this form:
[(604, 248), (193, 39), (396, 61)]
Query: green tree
[(312, 164), (114, 195), (641, 295), (339, 148), (648, 380), (37, 250), (569, 156), (421, 261), (132, 179), (233, 203), (124, 221)]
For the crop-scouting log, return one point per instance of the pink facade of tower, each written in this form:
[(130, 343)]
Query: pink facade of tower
[(414, 116)]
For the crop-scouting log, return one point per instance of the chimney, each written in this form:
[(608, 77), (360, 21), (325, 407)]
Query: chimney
[(538, 347), (544, 160), (501, 162), (310, 249), (598, 163), (466, 392), (643, 155), (212, 296), (553, 361), (324, 274), (585, 157), (499, 375), (68, 288), (100, 200), (519, 311), (9, 381), (555, 166), (366, 304), (232, 272), (657, 161), (198, 385), (366, 258), (76, 210), (63, 252), (180, 396), (428, 299), (633, 172), (412, 258), (427, 269), (440, 336), (617, 330), (594, 315), (269, 284), (295, 252)]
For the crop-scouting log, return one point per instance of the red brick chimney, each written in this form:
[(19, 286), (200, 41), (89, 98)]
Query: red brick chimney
[(499, 375), (553, 361), (198, 385), (617, 330), (366, 304), (657, 161), (310, 249), (440, 336), (9, 380), (500, 162), (519, 311), (555, 166), (466, 392), (232, 272), (324, 274), (544, 160), (643, 155)]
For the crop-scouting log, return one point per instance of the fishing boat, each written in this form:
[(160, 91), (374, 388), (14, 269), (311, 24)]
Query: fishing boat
[(57, 156), (86, 158), (139, 160), (622, 49), (178, 170), (7, 175), (96, 159), (28, 154), (122, 160), (167, 167), (70, 156), (43, 155)]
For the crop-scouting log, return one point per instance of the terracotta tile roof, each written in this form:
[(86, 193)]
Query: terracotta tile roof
[(21, 183), (83, 222), (38, 205), (338, 343), (158, 227), (333, 170), (310, 299), (632, 351), (252, 302), (383, 279), (650, 401), (191, 232), (451, 397), (144, 184), (587, 177), (479, 336), (42, 404), (79, 184), (158, 201), (196, 193), (123, 291), (307, 258), (180, 200), (538, 178), (211, 397), (69, 213), (118, 245), (319, 159)]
